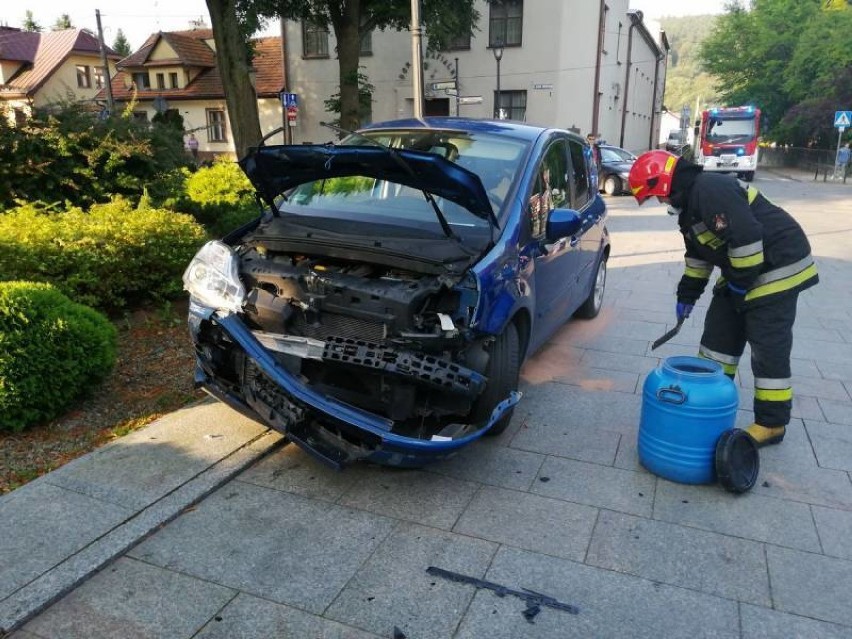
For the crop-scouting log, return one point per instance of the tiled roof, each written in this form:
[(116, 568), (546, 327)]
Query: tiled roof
[(43, 53), (269, 62), (208, 84), (189, 46)]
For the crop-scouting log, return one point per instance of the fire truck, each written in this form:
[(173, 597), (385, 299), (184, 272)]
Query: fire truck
[(726, 140)]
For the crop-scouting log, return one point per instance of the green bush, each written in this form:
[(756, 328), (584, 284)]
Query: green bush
[(109, 257), (69, 155), (52, 350), (220, 197)]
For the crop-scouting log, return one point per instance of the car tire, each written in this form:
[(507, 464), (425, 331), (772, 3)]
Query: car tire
[(748, 176), (612, 185), (592, 306), (503, 372)]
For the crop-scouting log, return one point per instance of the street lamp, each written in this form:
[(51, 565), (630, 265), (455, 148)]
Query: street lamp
[(497, 50)]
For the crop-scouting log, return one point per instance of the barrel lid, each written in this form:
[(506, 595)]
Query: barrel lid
[(737, 460)]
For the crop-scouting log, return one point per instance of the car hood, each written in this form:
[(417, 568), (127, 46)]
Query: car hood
[(275, 169)]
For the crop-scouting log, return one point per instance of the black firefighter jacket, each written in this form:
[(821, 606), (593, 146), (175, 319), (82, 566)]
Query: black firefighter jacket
[(727, 223)]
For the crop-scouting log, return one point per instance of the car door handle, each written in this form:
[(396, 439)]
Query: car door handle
[(575, 241)]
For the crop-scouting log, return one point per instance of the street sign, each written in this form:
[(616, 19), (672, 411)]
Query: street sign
[(543, 87), (289, 99), (842, 119), (471, 99), (447, 84)]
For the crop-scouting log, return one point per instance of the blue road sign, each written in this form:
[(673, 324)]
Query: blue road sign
[(842, 119), (289, 99)]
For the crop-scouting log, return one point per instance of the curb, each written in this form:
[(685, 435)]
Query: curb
[(50, 586)]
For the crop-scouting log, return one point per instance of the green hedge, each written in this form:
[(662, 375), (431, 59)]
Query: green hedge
[(219, 196), (69, 155), (51, 351), (110, 257)]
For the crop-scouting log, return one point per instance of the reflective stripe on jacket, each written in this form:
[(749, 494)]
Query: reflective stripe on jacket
[(757, 245)]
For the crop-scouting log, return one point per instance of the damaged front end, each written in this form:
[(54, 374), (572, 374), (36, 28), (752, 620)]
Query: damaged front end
[(350, 358)]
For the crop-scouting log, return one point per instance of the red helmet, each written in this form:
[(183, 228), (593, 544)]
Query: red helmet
[(651, 175)]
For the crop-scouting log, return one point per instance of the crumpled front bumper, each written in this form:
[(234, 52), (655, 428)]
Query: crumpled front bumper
[(361, 434)]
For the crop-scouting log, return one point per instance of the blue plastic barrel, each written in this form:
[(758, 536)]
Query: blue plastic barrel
[(687, 403)]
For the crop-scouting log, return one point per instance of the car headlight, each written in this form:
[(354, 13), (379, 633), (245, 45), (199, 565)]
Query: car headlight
[(212, 278)]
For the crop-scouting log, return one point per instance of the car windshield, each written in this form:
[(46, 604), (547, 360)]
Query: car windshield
[(720, 131), (615, 154), (496, 159)]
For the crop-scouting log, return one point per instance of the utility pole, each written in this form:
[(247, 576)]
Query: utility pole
[(288, 133), (105, 62), (416, 59), (457, 86)]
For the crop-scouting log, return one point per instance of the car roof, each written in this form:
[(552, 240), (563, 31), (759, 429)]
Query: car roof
[(522, 130)]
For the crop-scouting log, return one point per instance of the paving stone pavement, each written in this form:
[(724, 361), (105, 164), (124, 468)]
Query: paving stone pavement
[(205, 525)]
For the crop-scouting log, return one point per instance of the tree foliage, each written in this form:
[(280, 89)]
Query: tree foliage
[(686, 81), (791, 58), (29, 23), (63, 22), (121, 45), (69, 155)]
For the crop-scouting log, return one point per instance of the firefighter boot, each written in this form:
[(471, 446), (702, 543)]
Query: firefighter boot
[(766, 435)]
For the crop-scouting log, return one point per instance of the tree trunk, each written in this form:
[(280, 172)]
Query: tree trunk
[(346, 22), (233, 59)]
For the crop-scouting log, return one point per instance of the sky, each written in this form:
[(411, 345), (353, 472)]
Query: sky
[(140, 18)]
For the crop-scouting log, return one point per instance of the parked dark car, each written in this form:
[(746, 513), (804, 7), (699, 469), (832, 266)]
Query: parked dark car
[(381, 306), (615, 166)]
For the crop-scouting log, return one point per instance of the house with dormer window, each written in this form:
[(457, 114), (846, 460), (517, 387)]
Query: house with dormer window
[(177, 71), (38, 70)]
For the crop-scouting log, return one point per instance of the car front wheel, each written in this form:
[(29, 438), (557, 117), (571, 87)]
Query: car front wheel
[(612, 185), (503, 371), (592, 306)]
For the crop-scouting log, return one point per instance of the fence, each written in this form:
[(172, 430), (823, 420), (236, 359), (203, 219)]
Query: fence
[(817, 162)]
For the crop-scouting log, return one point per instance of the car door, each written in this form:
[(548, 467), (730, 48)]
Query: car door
[(587, 203), (556, 259)]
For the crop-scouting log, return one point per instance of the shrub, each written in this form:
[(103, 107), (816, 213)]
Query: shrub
[(69, 155), (52, 350), (220, 197), (109, 257)]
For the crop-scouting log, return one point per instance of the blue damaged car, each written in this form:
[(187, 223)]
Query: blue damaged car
[(382, 304)]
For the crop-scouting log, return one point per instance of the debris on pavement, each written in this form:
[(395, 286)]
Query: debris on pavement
[(534, 600)]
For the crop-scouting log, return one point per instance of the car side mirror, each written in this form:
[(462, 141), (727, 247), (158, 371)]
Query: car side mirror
[(562, 223)]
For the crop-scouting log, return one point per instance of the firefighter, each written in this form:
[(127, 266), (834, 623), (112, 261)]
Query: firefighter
[(765, 261)]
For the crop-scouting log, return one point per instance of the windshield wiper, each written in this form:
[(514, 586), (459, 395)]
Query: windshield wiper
[(401, 161)]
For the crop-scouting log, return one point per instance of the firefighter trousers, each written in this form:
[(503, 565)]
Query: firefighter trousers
[(768, 329)]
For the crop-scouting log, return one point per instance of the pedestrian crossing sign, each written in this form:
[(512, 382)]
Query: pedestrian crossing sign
[(842, 119)]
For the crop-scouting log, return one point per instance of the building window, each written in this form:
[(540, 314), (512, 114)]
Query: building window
[(173, 80), (459, 43), (315, 40), (505, 23), (141, 80), (84, 78), (140, 117), (512, 105), (20, 117), (161, 80), (367, 43), (216, 129), (100, 82)]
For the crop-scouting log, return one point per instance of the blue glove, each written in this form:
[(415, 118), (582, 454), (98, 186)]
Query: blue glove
[(683, 310), (736, 290)]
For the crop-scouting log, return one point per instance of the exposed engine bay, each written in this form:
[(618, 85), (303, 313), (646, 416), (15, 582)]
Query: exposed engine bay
[(391, 341)]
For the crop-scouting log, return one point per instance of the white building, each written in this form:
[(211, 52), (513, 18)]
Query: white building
[(558, 57)]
